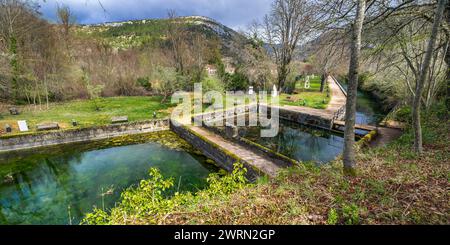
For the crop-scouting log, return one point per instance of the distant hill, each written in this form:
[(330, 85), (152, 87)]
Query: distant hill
[(136, 33)]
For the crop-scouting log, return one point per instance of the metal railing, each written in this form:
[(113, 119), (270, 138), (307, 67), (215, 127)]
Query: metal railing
[(339, 85), (339, 114)]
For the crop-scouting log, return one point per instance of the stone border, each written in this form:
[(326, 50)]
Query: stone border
[(365, 141), (221, 156), (42, 139), (279, 159)]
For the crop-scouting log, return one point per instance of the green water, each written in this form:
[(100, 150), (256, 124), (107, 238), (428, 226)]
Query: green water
[(59, 185), (299, 142), (368, 111)]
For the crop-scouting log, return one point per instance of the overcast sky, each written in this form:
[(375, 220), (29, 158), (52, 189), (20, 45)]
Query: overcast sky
[(233, 13)]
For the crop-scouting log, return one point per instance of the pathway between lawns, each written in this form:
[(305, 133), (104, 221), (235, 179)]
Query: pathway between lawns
[(338, 99)]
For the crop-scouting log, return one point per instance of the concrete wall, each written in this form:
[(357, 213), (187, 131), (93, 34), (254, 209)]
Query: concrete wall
[(277, 158), (290, 115), (303, 118), (80, 135), (223, 158)]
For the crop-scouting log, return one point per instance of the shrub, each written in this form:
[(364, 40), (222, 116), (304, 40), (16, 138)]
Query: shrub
[(333, 217), (212, 84), (350, 214), (237, 81), (151, 200), (403, 114), (289, 87), (145, 83)]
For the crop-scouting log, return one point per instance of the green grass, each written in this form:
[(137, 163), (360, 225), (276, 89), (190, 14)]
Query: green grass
[(315, 100), (311, 97), (136, 108), (314, 82)]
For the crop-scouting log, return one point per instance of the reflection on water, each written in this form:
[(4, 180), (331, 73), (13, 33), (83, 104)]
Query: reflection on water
[(368, 111), (60, 186), (299, 142)]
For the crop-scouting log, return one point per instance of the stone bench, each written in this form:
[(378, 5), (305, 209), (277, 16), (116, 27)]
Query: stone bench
[(121, 119), (47, 126)]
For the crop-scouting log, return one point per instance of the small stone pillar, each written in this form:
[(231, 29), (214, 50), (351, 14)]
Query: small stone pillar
[(274, 91), (231, 131), (8, 128)]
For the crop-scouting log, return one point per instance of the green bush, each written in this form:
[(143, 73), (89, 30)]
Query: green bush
[(333, 217), (212, 84), (151, 200), (403, 114), (289, 87), (237, 81), (350, 214), (145, 83)]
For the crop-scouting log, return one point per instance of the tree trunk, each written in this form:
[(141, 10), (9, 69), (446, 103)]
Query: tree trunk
[(282, 75), (322, 82), (447, 76), (349, 133), (447, 58), (423, 75), (14, 63), (46, 92)]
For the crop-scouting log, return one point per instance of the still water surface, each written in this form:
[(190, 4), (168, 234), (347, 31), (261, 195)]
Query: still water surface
[(59, 185)]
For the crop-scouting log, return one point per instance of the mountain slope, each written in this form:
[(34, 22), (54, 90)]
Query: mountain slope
[(138, 33)]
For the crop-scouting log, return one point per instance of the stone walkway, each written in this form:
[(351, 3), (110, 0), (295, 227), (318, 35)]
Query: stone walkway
[(260, 162), (338, 97)]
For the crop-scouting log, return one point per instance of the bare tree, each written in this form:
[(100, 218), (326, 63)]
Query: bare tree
[(447, 56), (283, 29), (413, 41), (350, 114), (176, 35), (14, 25), (423, 75), (328, 55), (67, 20)]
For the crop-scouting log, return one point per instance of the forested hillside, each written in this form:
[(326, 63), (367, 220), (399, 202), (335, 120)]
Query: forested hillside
[(45, 62)]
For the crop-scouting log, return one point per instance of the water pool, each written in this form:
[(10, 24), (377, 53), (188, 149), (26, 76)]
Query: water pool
[(368, 111), (59, 185), (299, 142)]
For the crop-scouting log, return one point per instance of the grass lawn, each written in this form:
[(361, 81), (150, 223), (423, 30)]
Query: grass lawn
[(136, 108), (314, 84), (311, 97)]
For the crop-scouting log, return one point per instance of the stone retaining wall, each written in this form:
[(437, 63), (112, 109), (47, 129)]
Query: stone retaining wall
[(303, 118), (290, 115), (42, 139), (223, 158), (277, 158)]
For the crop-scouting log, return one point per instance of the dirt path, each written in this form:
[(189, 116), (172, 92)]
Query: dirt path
[(385, 136)]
